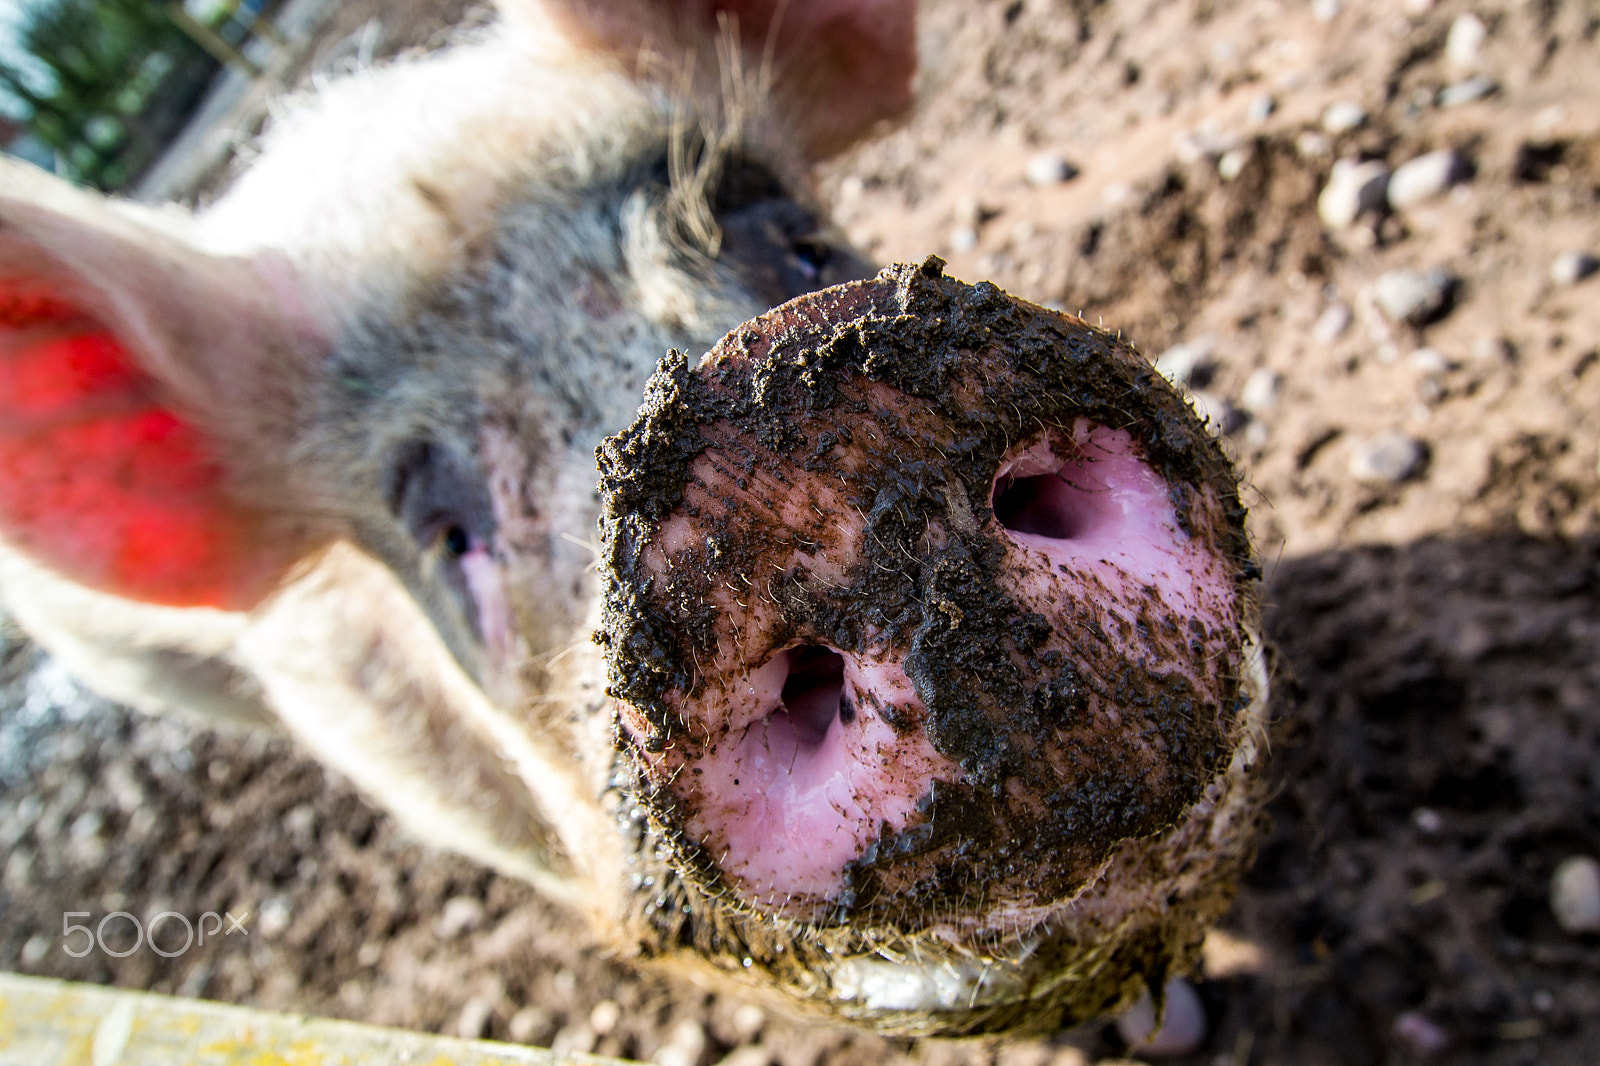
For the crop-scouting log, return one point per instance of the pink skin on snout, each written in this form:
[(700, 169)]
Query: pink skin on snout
[(1084, 507), (795, 770)]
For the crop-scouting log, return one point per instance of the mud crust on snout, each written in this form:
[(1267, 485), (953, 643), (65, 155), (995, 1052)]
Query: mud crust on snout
[(893, 493)]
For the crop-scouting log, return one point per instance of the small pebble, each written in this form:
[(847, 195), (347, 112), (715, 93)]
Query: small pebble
[(1428, 820), (1048, 168), (748, 1021), (1465, 92), (458, 915), (1572, 267), (1261, 391), (685, 1045), (1189, 363), (1425, 177), (579, 1039), (1575, 894), (1388, 458), (1493, 350), (1420, 1034), (528, 1025), (1202, 142), (963, 239), (1183, 1024), (1428, 360), (1233, 162), (1465, 41), (605, 1016), (1412, 296), (1116, 194), (1326, 10), (35, 949), (1313, 145), (1354, 188), (1261, 109), (274, 917), (1217, 412), (1415, 8), (474, 1018), (969, 212), (1332, 323), (1343, 117)]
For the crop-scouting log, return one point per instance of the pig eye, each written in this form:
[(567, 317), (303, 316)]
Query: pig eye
[(455, 542), (813, 257), (770, 239), (441, 499), (777, 248)]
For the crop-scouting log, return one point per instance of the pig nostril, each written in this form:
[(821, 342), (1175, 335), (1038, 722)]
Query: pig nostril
[(1044, 505), (813, 694)]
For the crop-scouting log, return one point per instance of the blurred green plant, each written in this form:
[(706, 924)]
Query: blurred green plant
[(101, 82)]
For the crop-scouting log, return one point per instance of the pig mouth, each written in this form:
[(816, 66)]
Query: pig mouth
[(922, 603)]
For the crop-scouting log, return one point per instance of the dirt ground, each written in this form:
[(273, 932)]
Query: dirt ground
[(1425, 497)]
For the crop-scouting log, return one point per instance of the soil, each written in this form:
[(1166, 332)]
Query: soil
[(1436, 617)]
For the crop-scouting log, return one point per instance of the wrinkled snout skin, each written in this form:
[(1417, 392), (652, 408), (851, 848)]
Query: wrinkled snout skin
[(891, 655)]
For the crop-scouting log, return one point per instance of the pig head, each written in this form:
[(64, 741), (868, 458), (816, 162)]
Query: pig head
[(324, 455)]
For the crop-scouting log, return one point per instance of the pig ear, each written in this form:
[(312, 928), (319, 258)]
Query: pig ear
[(143, 386), (840, 66)]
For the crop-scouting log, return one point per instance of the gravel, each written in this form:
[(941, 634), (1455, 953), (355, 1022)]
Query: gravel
[(1388, 459), (1183, 1025), (1049, 168), (460, 914), (1493, 351), (1570, 268), (1217, 412), (1354, 188), (1343, 117), (1428, 360), (1465, 92), (1233, 162), (1575, 895), (1426, 177), (1420, 1034), (1261, 109), (1188, 364), (1261, 391), (1414, 297), (1332, 323), (1313, 145), (1464, 44)]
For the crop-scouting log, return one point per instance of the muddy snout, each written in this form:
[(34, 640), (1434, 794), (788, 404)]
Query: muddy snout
[(922, 603)]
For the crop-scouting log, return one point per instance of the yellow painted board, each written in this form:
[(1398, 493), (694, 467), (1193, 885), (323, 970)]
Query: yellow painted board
[(60, 1023)]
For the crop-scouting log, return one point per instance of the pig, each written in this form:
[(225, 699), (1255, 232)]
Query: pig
[(896, 661)]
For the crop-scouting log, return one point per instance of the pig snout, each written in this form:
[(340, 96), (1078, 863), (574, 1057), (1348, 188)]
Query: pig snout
[(930, 615)]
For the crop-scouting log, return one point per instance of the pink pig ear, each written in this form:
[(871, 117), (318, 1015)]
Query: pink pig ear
[(841, 66), (141, 381)]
